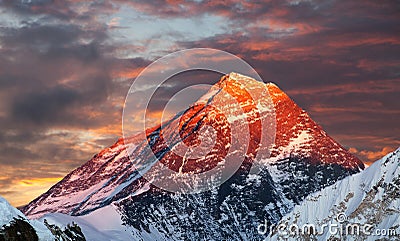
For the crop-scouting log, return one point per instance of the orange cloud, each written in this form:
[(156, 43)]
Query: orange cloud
[(348, 41), (256, 46), (22, 191), (371, 156), (375, 86), (37, 181), (373, 108), (372, 65)]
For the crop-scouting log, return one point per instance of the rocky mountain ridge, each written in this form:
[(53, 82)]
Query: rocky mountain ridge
[(303, 159)]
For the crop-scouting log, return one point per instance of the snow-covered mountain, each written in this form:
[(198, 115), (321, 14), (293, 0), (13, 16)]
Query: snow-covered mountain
[(304, 159), (101, 225), (15, 226), (364, 206)]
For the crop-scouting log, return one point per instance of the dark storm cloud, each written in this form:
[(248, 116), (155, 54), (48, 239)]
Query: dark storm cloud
[(15, 155), (33, 34), (47, 107), (298, 44), (60, 103), (246, 11), (58, 75), (54, 75), (50, 42), (60, 79), (359, 114), (169, 89), (342, 45), (63, 10)]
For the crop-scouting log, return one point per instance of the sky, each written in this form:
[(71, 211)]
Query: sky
[(66, 67)]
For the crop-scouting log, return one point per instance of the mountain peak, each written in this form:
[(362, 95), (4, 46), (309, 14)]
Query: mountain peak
[(247, 80), (236, 79), (240, 77), (303, 157), (296, 132)]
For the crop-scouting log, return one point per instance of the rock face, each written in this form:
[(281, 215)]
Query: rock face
[(303, 159), (364, 206), (19, 230), (70, 233), (15, 226)]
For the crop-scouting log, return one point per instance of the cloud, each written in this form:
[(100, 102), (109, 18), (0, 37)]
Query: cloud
[(372, 87), (339, 63), (68, 10), (28, 188), (371, 156), (48, 107), (56, 73), (65, 68)]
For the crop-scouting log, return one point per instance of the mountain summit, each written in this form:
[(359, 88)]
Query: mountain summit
[(302, 159)]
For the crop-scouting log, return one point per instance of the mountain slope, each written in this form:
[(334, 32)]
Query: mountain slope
[(371, 197), (304, 159), (15, 226), (103, 224)]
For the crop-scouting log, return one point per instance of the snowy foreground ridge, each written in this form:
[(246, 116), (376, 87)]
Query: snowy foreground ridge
[(8, 214), (364, 206)]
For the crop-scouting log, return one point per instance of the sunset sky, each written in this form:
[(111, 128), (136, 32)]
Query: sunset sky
[(66, 67)]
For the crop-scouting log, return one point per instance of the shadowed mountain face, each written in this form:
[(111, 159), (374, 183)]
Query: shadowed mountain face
[(303, 159)]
